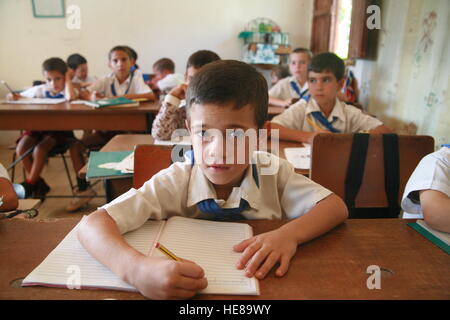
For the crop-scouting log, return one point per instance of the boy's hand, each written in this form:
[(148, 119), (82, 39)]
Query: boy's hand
[(179, 91), (13, 96), (96, 96), (262, 252), (158, 278)]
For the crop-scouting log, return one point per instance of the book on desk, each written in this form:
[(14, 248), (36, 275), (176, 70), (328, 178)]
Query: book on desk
[(208, 243), (110, 165), (121, 101)]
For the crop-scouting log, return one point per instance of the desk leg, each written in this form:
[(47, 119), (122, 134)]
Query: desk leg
[(116, 187)]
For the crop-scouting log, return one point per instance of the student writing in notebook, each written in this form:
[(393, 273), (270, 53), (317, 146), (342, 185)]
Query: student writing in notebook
[(290, 89), (324, 112), (172, 114), (57, 85), (428, 190), (225, 101)]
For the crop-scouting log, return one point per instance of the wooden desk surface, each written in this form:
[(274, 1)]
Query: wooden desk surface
[(66, 116), (330, 267)]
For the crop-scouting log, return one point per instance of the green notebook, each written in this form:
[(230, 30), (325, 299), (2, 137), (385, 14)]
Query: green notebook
[(111, 102), (440, 239), (97, 158)]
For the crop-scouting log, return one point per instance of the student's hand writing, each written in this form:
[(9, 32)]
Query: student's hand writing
[(179, 91), (262, 252), (159, 278), (13, 96)]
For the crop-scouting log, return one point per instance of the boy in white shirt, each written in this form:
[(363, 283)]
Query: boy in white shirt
[(323, 112), (427, 192), (289, 90), (165, 78), (78, 64), (224, 100)]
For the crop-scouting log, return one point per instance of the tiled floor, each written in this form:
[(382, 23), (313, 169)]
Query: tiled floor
[(55, 176)]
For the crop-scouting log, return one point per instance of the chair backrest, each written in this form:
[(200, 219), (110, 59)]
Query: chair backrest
[(149, 160), (330, 157)]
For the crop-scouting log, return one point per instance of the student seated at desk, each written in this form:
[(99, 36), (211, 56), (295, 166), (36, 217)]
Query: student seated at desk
[(323, 112), (165, 78), (172, 114), (428, 190), (290, 89), (78, 64), (224, 99), (58, 85)]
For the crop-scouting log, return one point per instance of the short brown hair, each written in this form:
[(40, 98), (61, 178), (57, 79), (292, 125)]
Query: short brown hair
[(200, 58), (121, 48), (55, 64), (226, 81), (164, 64)]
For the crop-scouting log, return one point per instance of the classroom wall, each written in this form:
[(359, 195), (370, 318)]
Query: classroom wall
[(172, 28), (408, 85)]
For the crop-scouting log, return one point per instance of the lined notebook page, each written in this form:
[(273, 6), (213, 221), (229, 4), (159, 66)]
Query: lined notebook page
[(60, 266), (210, 245)]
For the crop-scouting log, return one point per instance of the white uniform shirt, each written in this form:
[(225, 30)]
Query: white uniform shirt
[(283, 89), (349, 119), (88, 79), (432, 172), (170, 81), (39, 92), (177, 190), (137, 85)]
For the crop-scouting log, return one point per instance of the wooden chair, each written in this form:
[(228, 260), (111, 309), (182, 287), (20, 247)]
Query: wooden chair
[(330, 159), (149, 160)]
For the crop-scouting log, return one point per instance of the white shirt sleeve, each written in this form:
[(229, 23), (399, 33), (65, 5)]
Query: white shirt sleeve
[(359, 121), (99, 85), (293, 117), (170, 81), (34, 92), (432, 172), (139, 86)]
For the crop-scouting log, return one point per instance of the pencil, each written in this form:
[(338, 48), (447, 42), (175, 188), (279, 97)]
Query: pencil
[(6, 85), (166, 251)]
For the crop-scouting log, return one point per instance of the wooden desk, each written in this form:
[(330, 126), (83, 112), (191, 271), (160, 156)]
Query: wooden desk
[(274, 111), (66, 116), (330, 267)]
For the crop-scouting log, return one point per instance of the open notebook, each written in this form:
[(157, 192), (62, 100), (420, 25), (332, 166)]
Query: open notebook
[(208, 243)]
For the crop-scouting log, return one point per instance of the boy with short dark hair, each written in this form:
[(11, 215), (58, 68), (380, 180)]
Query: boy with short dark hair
[(165, 78), (224, 100), (172, 114), (289, 90), (78, 64), (323, 112), (58, 85)]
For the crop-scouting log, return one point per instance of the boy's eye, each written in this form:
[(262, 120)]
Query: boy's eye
[(326, 80), (234, 134), (312, 80), (204, 134)]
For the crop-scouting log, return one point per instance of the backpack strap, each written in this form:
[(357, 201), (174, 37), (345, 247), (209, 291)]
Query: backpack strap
[(355, 169), (391, 172)]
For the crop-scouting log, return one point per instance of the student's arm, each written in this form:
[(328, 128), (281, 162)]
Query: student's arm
[(155, 278), (70, 92), (263, 251), (281, 103), (436, 209), (381, 129), (148, 96), (295, 135), (13, 96)]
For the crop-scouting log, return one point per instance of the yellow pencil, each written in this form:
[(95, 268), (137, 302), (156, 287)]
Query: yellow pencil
[(166, 251), (139, 99)]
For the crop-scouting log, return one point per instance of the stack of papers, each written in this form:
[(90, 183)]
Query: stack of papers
[(300, 158)]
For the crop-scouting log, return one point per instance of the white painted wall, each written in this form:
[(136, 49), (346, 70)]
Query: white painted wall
[(171, 28)]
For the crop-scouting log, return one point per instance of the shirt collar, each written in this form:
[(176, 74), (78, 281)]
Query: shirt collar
[(200, 188), (338, 109), (116, 82), (305, 86)]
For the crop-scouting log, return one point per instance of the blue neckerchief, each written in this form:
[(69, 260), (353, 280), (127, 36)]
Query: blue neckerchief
[(113, 89), (211, 208), (58, 96), (297, 89), (323, 121), (306, 97)]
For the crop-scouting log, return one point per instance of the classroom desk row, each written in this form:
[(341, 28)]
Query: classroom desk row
[(67, 116), (333, 266), (126, 142)]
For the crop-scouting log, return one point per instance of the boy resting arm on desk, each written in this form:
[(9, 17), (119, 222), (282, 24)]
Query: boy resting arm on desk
[(323, 112), (428, 190), (122, 82), (226, 101)]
